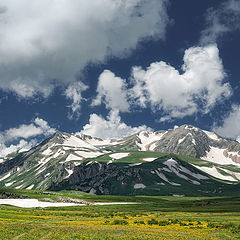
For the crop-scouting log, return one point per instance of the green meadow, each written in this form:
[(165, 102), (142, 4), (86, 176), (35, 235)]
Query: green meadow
[(148, 218)]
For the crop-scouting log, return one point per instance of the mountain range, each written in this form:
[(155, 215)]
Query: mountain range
[(181, 161)]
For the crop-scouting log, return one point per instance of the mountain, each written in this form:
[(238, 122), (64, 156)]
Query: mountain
[(133, 165)]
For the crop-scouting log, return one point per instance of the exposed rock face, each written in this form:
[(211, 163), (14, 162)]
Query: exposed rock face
[(190, 141)]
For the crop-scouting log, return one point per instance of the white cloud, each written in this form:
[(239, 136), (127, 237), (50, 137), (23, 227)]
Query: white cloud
[(230, 127), (112, 127), (49, 41), (221, 20), (38, 127), (112, 91), (22, 144), (198, 89), (74, 93)]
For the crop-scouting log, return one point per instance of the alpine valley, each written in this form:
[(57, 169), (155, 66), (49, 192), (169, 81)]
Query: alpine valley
[(182, 161)]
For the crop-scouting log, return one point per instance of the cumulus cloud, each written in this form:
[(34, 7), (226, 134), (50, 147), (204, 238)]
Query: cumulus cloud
[(230, 127), (198, 88), (74, 93), (112, 127), (221, 20), (21, 134), (48, 42), (22, 144), (112, 91)]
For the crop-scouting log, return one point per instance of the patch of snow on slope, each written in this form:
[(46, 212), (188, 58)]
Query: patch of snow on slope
[(181, 140), (6, 176), (212, 135), (98, 142), (72, 157), (88, 154), (41, 170), (9, 184), (215, 173), (89, 163), (32, 203), (149, 159), (147, 139), (30, 187), (48, 151), (69, 171), (19, 186), (216, 155), (152, 146), (235, 174), (139, 186), (1, 160), (118, 155), (77, 142)]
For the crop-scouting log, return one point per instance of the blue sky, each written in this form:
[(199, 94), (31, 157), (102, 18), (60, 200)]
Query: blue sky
[(111, 68)]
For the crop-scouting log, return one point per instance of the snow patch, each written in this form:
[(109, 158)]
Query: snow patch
[(19, 186), (6, 176), (30, 187), (109, 162), (149, 159), (118, 155), (215, 173), (235, 174), (91, 154), (9, 184), (69, 171), (48, 151), (183, 139), (147, 139), (212, 135), (216, 155), (72, 157), (32, 203), (89, 163), (74, 141)]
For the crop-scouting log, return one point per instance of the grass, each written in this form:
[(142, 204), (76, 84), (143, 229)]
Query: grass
[(150, 218)]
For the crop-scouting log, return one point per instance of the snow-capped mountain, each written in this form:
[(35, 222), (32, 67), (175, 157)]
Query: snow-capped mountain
[(57, 160)]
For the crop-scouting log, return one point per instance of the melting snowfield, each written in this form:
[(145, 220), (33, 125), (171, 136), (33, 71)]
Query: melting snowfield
[(33, 203), (216, 155)]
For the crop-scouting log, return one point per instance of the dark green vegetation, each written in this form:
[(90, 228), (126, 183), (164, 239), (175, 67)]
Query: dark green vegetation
[(169, 174), (152, 217)]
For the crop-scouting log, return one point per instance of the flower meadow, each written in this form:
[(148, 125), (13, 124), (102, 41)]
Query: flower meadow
[(150, 218)]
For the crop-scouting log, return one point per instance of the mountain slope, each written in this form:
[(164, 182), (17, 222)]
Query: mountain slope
[(164, 176), (57, 159)]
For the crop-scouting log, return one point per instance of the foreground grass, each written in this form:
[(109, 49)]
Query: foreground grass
[(149, 218)]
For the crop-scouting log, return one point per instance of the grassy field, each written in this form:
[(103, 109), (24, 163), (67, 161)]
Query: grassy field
[(150, 218)]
